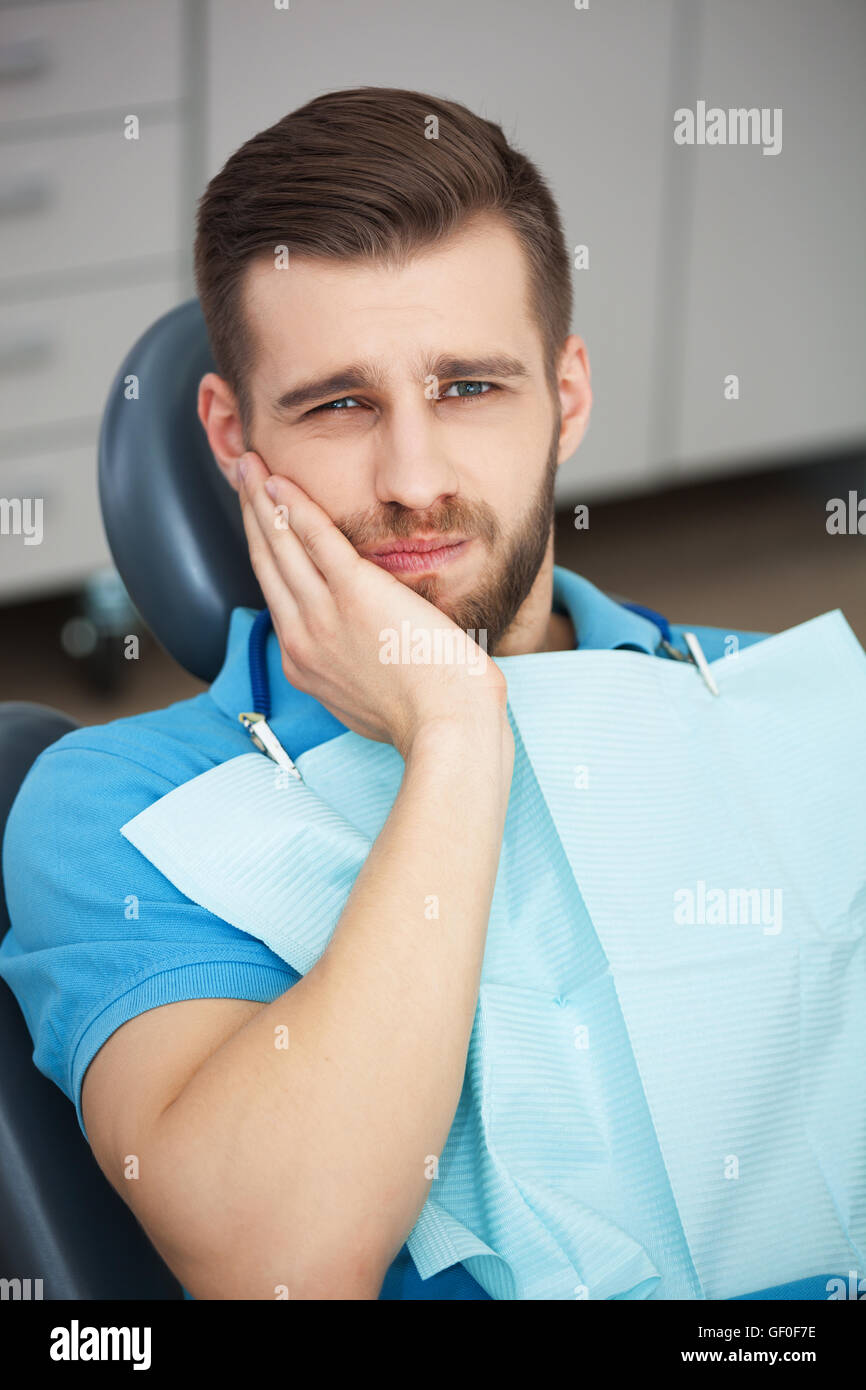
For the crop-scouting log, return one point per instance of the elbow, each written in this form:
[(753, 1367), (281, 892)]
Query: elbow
[(275, 1259), (221, 1247), (252, 1273)]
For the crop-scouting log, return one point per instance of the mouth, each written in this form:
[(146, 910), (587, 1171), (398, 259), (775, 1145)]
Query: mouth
[(417, 554)]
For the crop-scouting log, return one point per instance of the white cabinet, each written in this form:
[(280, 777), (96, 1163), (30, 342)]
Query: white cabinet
[(58, 523), (75, 56), (93, 233), (773, 274), (59, 356), (89, 200)]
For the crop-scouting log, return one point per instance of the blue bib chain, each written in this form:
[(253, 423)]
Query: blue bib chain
[(258, 663), (255, 721)]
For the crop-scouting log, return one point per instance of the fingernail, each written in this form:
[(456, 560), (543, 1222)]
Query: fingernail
[(272, 489), (243, 465)]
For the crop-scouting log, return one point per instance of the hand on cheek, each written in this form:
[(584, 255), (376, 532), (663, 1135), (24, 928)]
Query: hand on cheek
[(253, 472), (332, 609), (251, 469)]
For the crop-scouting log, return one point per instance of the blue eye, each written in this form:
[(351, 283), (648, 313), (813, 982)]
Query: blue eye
[(472, 394), (330, 405)]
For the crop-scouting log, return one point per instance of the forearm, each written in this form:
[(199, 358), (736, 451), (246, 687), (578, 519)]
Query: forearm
[(309, 1164)]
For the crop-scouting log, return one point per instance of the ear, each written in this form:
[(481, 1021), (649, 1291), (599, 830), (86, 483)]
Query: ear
[(218, 411), (575, 394)]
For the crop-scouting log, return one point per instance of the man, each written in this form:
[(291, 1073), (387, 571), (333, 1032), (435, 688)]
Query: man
[(397, 385)]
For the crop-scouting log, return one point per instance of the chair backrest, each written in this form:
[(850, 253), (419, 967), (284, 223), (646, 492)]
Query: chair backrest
[(25, 729), (172, 521)]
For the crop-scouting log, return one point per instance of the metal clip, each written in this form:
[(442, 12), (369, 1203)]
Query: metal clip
[(265, 739), (672, 651), (694, 646)]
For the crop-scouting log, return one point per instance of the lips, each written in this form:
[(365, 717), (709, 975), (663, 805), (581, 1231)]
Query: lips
[(418, 555), (414, 546)]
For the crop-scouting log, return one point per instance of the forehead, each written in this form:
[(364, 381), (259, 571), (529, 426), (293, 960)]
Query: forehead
[(465, 294)]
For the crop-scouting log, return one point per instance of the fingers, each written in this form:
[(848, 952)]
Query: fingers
[(286, 555), (333, 555), (278, 596)]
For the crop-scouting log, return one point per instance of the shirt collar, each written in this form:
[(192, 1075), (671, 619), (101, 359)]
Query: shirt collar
[(599, 621)]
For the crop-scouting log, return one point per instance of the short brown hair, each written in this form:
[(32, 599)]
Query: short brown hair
[(352, 176)]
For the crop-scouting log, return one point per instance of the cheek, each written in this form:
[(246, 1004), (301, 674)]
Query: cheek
[(342, 488), (516, 425), (331, 470), (506, 461)]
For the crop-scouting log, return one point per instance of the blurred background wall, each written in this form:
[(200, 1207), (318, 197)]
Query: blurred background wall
[(694, 264)]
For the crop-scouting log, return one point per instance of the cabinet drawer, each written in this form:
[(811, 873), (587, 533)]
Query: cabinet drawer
[(58, 356), (88, 55), (88, 200), (72, 542)]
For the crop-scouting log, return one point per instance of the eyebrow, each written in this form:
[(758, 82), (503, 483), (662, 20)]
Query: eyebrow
[(367, 376)]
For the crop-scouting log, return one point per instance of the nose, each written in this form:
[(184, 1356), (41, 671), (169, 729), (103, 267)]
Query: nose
[(412, 464)]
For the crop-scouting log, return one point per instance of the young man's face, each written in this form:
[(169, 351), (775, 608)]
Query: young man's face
[(386, 459)]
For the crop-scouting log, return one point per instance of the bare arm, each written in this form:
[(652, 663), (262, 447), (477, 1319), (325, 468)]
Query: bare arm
[(305, 1166)]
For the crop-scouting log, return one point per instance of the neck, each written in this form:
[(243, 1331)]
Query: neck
[(561, 636), (536, 628)]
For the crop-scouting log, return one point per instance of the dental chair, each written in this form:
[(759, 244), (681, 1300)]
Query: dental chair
[(175, 532)]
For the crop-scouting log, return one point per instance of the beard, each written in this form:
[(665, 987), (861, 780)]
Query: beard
[(511, 569)]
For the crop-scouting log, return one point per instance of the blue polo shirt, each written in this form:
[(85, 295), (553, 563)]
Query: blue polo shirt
[(98, 934)]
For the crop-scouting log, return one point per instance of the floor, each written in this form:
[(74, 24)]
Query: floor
[(745, 552)]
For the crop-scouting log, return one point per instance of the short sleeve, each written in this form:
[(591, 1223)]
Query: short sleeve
[(98, 934)]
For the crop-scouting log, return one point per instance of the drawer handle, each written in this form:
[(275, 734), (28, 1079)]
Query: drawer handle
[(25, 353), (23, 58), (29, 194)]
